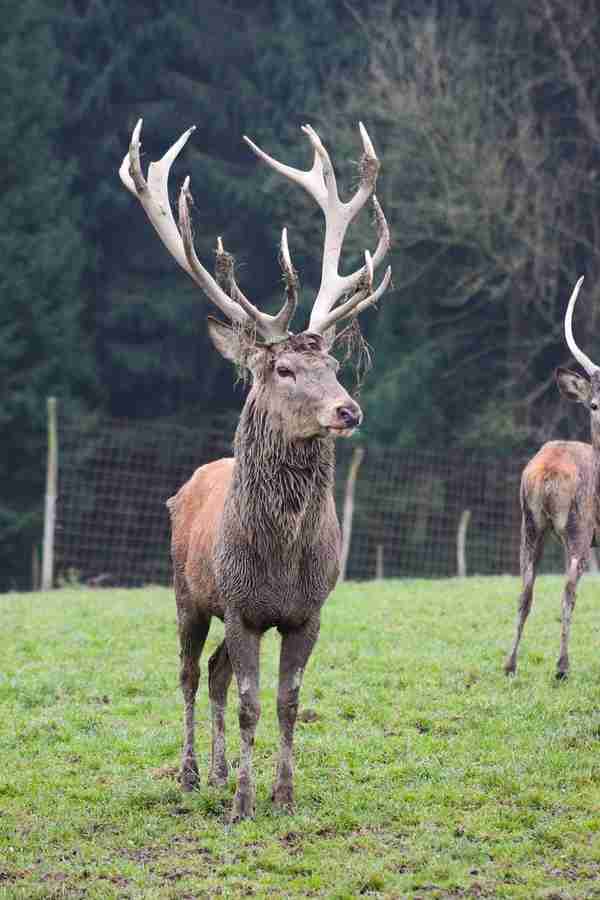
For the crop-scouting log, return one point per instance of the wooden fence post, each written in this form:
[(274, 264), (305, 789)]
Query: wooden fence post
[(379, 573), (35, 568), (50, 505), (355, 462), (461, 541)]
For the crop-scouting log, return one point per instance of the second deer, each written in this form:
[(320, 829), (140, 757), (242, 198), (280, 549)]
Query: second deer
[(559, 493)]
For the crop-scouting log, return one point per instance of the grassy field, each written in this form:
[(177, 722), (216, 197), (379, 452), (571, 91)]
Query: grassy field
[(421, 770)]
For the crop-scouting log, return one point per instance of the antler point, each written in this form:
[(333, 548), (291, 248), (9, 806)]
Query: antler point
[(367, 142), (135, 135)]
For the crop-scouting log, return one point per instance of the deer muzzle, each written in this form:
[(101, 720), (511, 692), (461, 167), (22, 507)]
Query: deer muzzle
[(345, 418)]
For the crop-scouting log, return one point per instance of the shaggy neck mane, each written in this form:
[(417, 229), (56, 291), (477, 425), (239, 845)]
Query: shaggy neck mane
[(281, 487)]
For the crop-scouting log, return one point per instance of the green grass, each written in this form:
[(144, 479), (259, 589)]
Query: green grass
[(421, 770)]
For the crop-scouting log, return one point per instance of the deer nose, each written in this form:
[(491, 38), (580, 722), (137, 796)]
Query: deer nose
[(350, 414)]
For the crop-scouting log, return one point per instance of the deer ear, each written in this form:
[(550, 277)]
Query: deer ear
[(573, 386), (225, 339), (233, 344)]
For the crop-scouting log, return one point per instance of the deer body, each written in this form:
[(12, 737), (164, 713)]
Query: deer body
[(255, 539), (559, 487), (560, 493)]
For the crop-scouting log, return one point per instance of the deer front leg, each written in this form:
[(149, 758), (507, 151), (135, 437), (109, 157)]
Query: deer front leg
[(296, 647), (243, 648)]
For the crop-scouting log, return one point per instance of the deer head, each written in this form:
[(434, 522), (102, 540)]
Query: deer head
[(576, 387), (294, 376), (295, 384)]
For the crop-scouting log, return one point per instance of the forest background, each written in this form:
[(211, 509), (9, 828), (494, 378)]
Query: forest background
[(486, 116)]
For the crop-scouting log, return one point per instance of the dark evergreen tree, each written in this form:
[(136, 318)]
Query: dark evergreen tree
[(42, 256)]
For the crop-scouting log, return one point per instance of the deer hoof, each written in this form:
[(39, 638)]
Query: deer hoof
[(188, 776), (510, 667), (562, 674), (243, 808), (282, 796), (218, 777)]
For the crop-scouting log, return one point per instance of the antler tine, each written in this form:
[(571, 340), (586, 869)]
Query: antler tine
[(311, 180), (579, 355), (225, 263), (153, 194), (290, 277), (269, 327), (334, 285), (360, 301), (348, 282), (195, 268), (320, 183), (225, 266)]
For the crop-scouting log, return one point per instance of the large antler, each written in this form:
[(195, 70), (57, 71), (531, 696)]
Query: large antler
[(584, 361), (153, 194), (320, 183)]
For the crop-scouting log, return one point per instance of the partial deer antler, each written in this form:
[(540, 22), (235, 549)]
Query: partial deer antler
[(153, 194), (320, 183), (584, 361)]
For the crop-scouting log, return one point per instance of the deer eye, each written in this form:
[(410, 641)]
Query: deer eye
[(284, 372)]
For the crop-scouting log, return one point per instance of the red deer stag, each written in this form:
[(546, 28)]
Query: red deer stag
[(559, 493), (255, 538)]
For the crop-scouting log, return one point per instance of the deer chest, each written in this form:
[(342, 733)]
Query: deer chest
[(279, 590)]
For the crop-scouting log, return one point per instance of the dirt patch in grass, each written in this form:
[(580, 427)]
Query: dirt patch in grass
[(308, 715), (587, 872), (169, 772), (178, 846), (7, 875)]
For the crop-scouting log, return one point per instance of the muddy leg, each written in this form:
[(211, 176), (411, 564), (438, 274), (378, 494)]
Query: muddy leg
[(296, 647), (243, 647), (532, 542), (575, 568), (219, 679), (192, 635)]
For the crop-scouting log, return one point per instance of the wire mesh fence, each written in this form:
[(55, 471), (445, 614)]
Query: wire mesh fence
[(113, 526)]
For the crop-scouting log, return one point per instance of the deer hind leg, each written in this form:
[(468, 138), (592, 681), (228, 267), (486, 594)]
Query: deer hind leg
[(296, 647), (192, 635), (532, 544), (243, 648), (576, 554), (219, 679)]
